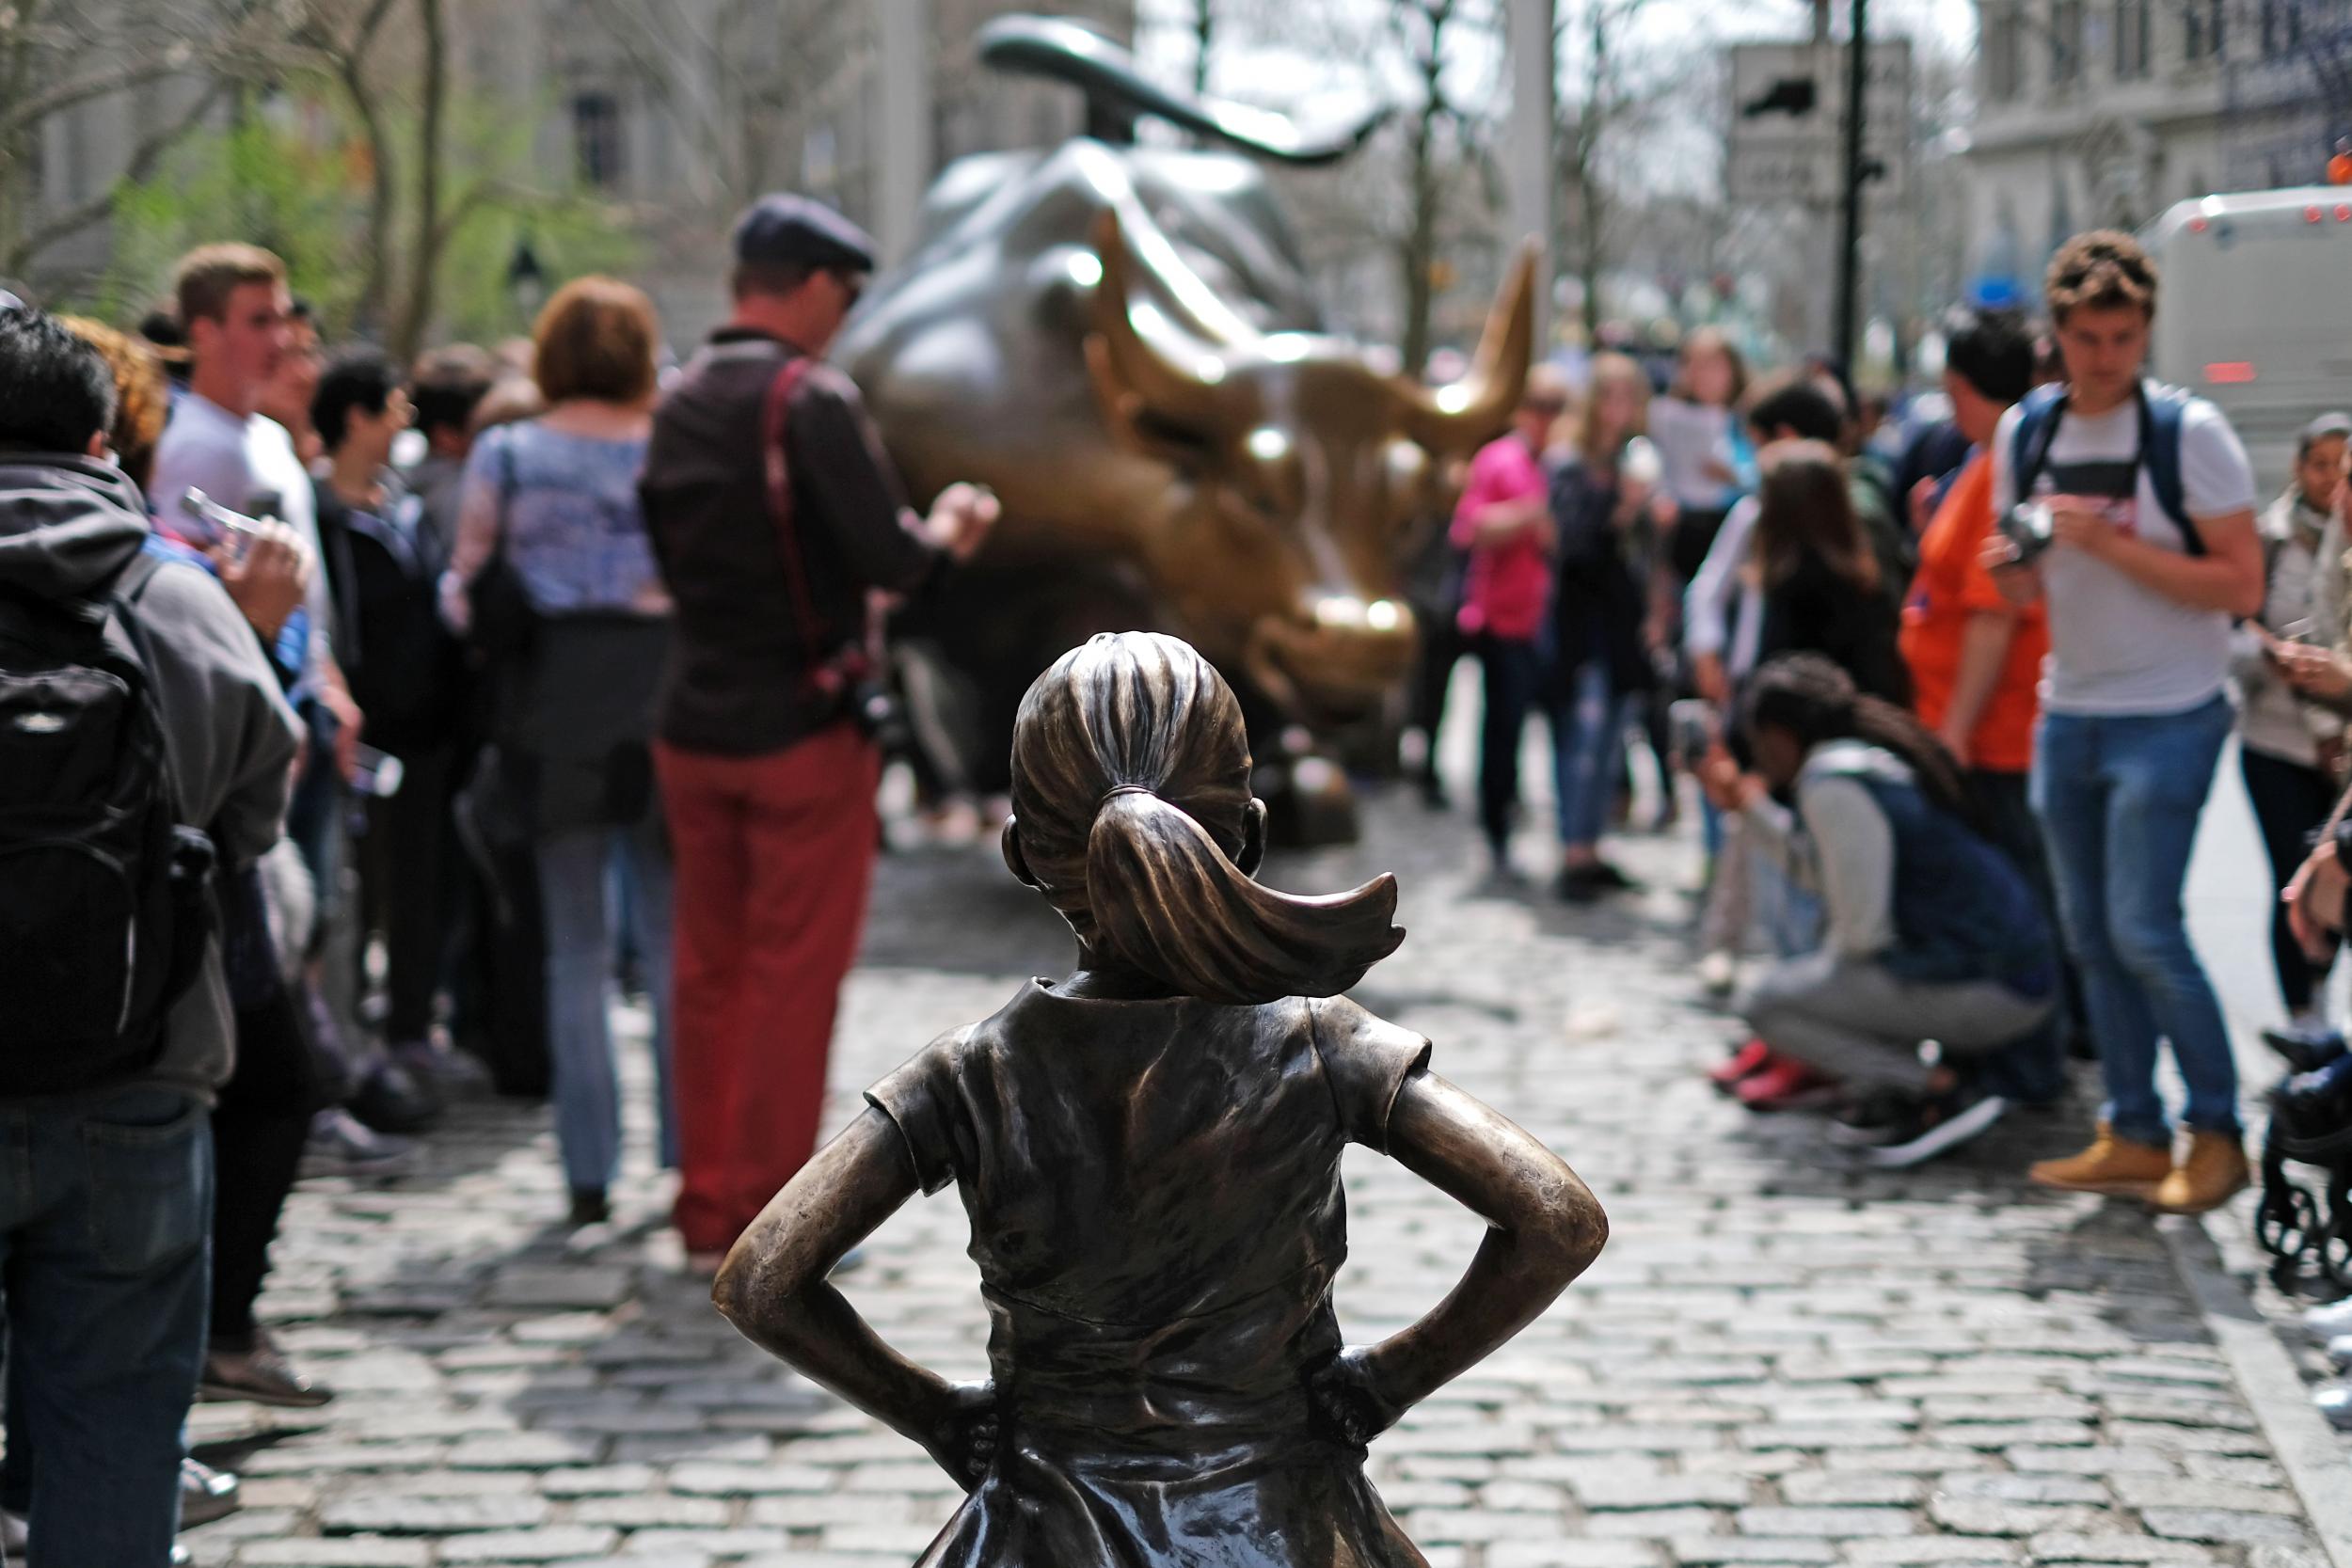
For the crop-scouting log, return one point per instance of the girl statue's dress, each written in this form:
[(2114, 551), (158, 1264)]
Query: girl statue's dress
[(1154, 1195)]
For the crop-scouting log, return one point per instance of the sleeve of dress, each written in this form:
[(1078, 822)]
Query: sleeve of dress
[(918, 1097), (1366, 1061)]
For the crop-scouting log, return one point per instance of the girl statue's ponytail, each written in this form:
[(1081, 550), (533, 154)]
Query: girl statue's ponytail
[(1131, 796)]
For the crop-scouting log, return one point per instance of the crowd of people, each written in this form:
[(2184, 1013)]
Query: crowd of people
[(363, 726), (376, 720), (1955, 699)]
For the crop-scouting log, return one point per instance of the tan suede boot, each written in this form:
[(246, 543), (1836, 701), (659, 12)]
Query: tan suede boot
[(2213, 1173), (2117, 1166)]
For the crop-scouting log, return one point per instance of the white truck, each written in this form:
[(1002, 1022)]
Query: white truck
[(2254, 311)]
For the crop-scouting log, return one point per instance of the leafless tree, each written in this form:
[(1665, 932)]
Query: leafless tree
[(1444, 139), (57, 56)]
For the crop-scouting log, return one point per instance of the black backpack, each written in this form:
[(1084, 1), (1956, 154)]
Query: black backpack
[(105, 897)]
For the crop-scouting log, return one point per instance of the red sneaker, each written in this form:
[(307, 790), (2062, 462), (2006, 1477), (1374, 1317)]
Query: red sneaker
[(1784, 1084), (1747, 1059)]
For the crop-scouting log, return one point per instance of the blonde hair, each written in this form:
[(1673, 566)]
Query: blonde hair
[(1131, 805), (1619, 370), (142, 398)]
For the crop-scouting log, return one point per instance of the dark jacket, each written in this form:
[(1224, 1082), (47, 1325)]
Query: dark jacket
[(68, 525), (1815, 611), (737, 682), (1598, 602)]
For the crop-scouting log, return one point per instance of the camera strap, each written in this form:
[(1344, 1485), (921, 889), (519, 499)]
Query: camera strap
[(828, 677)]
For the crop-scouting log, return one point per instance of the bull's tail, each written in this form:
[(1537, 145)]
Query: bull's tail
[(1118, 95)]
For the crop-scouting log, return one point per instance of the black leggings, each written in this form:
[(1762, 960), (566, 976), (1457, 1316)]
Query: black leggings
[(258, 1132), (2289, 800)]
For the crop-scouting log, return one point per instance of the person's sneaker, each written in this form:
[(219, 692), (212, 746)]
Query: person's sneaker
[(1719, 973), (340, 1146), (2115, 1167), (2335, 1403), (1748, 1059), (2213, 1173), (205, 1493), (393, 1100), (1872, 1120), (1938, 1124), (2327, 1322), (2340, 1352), (1784, 1084), (13, 1536), (1611, 876), (451, 1073), (258, 1376), (590, 1206)]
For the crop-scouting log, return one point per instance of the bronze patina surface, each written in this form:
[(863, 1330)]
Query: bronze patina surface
[(1122, 342), (1149, 1153)]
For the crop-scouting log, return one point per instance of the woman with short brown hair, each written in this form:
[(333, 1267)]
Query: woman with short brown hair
[(548, 514)]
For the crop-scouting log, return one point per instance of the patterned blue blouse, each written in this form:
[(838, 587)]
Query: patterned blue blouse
[(567, 507)]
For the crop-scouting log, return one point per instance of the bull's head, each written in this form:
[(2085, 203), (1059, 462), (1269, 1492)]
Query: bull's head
[(1305, 466)]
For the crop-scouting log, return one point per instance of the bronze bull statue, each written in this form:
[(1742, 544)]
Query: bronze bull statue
[(1121, 342)]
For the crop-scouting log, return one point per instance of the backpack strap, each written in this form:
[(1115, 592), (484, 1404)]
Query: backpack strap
[(2037, 427), (2162, 412)]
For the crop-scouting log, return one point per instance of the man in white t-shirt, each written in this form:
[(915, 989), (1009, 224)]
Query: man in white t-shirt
[(234, 305), (2147, 503)]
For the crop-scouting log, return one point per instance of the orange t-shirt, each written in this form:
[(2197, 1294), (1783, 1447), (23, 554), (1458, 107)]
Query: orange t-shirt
[(1951, 585)]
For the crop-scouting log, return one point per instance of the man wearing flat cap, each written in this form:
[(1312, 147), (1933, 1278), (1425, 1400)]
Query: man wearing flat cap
[(775, 514)]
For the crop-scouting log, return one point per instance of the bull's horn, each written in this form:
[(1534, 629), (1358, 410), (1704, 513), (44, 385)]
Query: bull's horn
[(1163, 387), (1478, 407)]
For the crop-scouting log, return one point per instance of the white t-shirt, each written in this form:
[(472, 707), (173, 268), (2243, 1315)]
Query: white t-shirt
[(236, 462), (2117, 647)]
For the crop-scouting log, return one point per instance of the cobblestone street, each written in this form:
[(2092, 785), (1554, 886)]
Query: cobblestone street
[(1781, 1359)]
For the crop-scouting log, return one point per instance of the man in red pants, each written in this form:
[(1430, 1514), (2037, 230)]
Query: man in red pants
[(767, 779)]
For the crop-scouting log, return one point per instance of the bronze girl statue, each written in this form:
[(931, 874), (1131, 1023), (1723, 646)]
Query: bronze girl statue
[(1149, 1154)]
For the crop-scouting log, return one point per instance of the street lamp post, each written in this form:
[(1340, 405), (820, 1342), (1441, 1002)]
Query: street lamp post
[(526, 281), (1850, 240)]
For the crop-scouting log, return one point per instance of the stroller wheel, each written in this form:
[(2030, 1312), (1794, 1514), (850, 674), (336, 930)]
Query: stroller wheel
[(2334, 1241), (2288, 1220)]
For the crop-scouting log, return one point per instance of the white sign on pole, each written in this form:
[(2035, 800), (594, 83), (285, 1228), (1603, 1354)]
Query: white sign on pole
[(1789, 120)]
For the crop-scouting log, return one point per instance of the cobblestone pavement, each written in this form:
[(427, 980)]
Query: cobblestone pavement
[(1780, 1359)]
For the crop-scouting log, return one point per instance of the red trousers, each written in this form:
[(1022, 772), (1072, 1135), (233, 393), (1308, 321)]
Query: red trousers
[(775, 854)]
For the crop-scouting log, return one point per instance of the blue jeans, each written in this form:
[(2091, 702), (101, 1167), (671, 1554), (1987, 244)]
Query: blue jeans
[(104, 1205), (2119, 798), (579, 903), (1588, 723)]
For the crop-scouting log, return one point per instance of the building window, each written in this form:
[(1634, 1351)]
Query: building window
[(2066, 41), (2202, 22), (2003, 66), (2282, 28), (820, 158), (596, 138), (2131, 28)]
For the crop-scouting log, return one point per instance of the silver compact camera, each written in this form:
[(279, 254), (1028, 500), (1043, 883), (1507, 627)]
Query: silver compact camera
[(2030, 528)]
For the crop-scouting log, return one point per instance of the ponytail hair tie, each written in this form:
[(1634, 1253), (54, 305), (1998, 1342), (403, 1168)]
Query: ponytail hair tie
[(1112, 793)]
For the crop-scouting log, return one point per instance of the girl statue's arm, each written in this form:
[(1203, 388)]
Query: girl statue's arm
[(772, 1288), (1545, 1228)]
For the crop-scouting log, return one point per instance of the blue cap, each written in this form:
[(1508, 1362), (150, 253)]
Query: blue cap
[(786, 230)]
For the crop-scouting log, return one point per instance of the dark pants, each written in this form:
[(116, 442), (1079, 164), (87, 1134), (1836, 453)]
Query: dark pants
[(2033, 1068), (258, 1130), (1442, 645), (410, 871), (2289, 800), (1514, 676), (102, 1273)]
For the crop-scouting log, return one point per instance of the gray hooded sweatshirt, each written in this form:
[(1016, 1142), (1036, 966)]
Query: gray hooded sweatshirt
[(67, 525)]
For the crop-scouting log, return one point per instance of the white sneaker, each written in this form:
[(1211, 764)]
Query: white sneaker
[(14, 1533), (2326, 1322), (1719, 973)]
